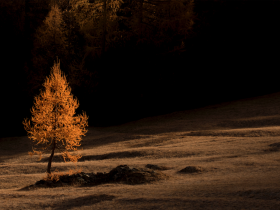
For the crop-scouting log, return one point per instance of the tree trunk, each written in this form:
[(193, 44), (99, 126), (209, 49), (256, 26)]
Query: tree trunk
[(51, 157), (54, 143)]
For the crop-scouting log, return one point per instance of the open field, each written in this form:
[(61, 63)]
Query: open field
[(236, 144)]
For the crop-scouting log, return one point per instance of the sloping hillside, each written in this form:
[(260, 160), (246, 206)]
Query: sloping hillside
[(234, 146)]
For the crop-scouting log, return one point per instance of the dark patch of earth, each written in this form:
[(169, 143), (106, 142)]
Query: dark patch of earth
[(122, 173)]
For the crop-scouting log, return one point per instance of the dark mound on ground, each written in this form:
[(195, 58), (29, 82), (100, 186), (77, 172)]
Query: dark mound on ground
[(191, 169), (156, 167), (275, 147), (120, 174)]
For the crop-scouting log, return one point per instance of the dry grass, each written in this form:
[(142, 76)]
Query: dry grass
[(234, 146)]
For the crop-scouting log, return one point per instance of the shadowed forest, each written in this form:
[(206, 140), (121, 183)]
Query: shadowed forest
[(126, 60)]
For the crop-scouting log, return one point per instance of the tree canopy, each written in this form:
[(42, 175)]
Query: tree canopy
[(55, 125)]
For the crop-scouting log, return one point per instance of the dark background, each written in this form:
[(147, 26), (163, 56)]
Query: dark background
[(232, 54)]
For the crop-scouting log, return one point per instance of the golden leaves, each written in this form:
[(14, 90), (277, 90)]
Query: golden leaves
[(72, 158), (53, 117), (53, 176), (56, 176), (36, 152)]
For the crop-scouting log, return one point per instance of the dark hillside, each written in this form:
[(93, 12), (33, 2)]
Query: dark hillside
[(231, 54), (234, 49)]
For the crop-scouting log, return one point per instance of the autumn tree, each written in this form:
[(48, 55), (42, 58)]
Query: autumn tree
[(162, 23), (78, 76), (49, 42), (174, 21), (59, 35), (97, 20), (55, 126)]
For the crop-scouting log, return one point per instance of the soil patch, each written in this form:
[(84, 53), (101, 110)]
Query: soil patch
[(191, 169), (120, 174), (273, 147), (156, 167)]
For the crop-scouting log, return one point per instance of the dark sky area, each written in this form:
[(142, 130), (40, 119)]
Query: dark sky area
[(232, 52)]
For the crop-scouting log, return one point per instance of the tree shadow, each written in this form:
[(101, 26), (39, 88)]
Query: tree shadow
[(275, 147), (263, 121), (79, 202), (112, 155)]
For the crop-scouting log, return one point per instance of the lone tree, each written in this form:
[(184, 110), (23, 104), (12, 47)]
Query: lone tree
[(53, 117)]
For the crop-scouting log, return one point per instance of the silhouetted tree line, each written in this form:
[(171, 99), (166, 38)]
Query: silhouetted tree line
[(129, 59)]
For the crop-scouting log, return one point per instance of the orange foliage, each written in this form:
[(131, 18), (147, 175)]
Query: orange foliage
[(55, 125), (55, 176)]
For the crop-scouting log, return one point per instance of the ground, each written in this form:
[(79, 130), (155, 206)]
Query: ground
[(233, 148)]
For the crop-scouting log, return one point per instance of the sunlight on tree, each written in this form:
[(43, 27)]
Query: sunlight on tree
[(55, 126)]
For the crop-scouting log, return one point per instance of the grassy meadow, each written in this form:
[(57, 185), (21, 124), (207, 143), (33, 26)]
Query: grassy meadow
[(236, 145)]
